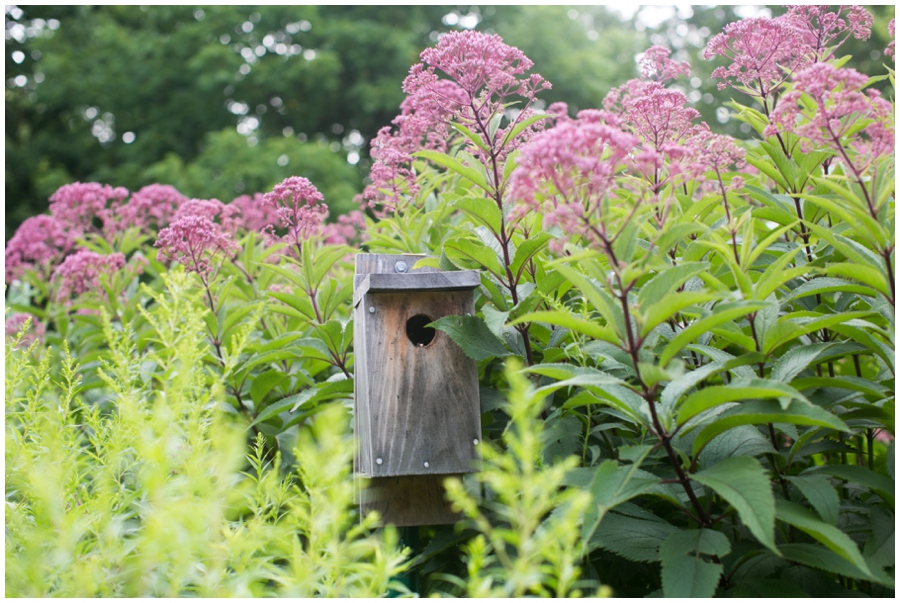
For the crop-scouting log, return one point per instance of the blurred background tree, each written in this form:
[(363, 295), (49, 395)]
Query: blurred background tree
[(227, 100)]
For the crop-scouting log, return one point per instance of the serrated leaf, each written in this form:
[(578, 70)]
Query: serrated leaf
[(612, 485), (833, 538), (797, 359), (723, 362), (743, 482), (744, 440), (819, 557), (862, 476), (684, 572), (472, 334), (265, 382), (632, 538), (820, 494), (494, 319), (757, 412), (525, 251), (879, 548)]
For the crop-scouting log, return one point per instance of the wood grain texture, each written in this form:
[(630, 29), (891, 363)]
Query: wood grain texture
[(412, 500), (421, 281), (423, 407), (414, 404)]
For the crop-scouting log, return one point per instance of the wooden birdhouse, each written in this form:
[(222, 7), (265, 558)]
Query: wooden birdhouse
[(416, 392)]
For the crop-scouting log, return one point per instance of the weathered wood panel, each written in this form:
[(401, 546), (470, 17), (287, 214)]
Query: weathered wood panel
[(409, 500), (417, 407), (423, 408), (428, 281)]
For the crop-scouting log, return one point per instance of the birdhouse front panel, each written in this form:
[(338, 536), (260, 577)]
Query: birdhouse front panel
[(418, 405)]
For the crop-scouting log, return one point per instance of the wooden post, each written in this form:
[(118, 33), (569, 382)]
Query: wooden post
[(416, 393)]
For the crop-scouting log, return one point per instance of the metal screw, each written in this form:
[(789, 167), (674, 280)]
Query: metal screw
[(371, 309), (426, 464), (378, 461), (475, 441), (401, 267)]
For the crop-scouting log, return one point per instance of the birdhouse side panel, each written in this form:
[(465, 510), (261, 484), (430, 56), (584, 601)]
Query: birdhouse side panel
[(422, 412)]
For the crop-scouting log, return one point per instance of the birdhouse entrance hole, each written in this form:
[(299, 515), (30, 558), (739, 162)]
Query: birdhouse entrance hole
[(417, 332)]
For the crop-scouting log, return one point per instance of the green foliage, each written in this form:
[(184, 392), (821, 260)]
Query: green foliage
[(155, 498), (693, 397), (530, 544)]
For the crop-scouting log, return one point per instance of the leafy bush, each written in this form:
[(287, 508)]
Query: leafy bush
[(695, 337)]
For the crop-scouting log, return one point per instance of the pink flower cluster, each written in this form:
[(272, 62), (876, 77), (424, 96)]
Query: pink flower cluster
[(824, 31), (656, 65), (466, 78), (299, 207), (348, 229), (150, 208), (39, 243), (81, 272), (840, 105), (765, 52), (565, 172), (889, 51), (15, 322), (255, 214), (195, 242), (77, 205), (660, 118)]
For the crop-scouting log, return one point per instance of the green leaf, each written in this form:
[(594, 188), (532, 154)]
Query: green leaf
[(472, 136), (757, 412), (879, 548), (526, 250), (517, 129), (744, 440), (667, 281), (739, 389), (632, 538), (720, 314), (472, 334), (820, 494), (680, 385), (307, 398), (265, 382), (612, 485), (833, 538), (477, 252), (574, 323), (819, 557), (743, 482), (684, 572), (795, 360), (665, 308), (828, 285), (481, 210), (862, 476), (454, 165)]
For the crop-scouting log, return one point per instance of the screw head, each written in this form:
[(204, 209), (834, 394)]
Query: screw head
[(401, 267), (426, 464), (475, 441), (371, 309), (378, 461)]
